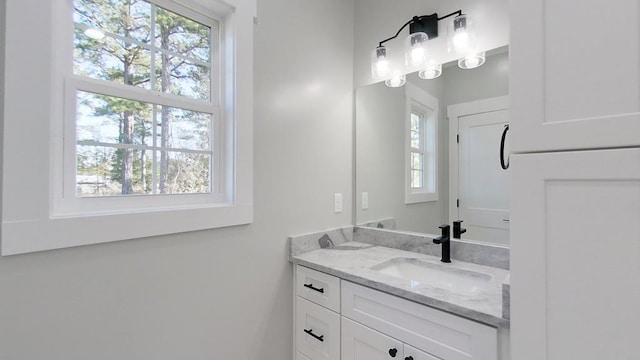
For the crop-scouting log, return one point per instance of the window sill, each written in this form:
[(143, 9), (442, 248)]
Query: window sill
[(20, 237)]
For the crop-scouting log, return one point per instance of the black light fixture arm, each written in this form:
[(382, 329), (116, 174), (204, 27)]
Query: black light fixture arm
[(456, 13), (399, 31), (417, 19)]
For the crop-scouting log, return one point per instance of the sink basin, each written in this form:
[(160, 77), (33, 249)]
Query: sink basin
[(422, 273)]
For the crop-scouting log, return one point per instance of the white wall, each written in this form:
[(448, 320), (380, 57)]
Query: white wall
[(219, 294), (380, 153), (377, 20)]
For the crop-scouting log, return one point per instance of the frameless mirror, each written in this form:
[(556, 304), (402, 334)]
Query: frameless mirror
[(428, 153)]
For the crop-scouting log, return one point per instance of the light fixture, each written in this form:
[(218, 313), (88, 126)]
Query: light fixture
[(471, 61), (462, 36), (461, 40), (380, 68), (397, 79), (430, 72), (94, 33)]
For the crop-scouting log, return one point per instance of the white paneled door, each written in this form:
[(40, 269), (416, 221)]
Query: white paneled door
[(575, 256), (575, 74)]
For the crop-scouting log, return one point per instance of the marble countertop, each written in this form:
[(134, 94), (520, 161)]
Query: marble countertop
[(352, 261)]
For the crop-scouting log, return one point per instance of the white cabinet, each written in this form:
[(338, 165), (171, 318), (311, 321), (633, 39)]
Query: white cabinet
[(317, 331), (439, 333), (317, 321), (375, 325), (575, 79), (575, 256), (362, 343)]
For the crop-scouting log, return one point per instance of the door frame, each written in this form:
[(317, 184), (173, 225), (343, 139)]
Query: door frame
[(454, 113)]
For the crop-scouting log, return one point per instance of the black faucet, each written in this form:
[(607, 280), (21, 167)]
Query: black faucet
[(446, 243), (458, 230)]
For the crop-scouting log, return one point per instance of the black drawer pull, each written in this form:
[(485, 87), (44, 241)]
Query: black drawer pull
[(310, 286), (310, 332), (409, 358), (393, 352)]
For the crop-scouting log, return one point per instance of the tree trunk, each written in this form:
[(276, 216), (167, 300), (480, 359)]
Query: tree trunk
[(127, 138), (165, 128)]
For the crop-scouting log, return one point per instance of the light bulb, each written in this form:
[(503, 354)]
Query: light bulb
[(397, 79), (430, 72), (472, 61), (461, 40), (415, 50), (382, 66), (94, 33), (379, 64), (417, 56)]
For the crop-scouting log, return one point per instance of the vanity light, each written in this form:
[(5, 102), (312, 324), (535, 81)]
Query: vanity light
[(471, 61), (397, 79), (461, 40), (430, 72), (461, 37), (415, 50), (380, 68)]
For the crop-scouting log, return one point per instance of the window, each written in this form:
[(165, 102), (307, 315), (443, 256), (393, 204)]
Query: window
[(145, 109), (130, 142), (421, 145)]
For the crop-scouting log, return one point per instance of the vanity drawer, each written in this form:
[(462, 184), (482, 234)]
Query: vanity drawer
[(318, 287), (436, 332), (317, 331)]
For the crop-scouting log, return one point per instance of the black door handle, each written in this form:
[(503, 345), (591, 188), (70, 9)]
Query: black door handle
[(393, 352), (310, 332), (310, 286), (504, 165)]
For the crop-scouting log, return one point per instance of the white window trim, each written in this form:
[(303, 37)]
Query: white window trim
[(32, 118), (415, 95)]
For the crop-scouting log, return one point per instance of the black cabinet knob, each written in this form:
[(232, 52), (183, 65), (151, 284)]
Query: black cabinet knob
[(393, 352), (409, 358)]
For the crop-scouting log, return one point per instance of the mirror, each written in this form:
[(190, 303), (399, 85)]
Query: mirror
[(428, 153)]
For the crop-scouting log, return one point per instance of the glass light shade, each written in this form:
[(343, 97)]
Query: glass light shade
[(94, 33), (397, 79), (430, 72), (415, 50), (461, 37), (380, 67), (471, 61)]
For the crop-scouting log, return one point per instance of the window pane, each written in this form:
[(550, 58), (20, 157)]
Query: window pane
[(186, 173), (182, 35), (416, 179), (111, 59), (128, 18), (415, 122), (415, 140), (110, 119), (182, 77), (107, 171), (417, 161), (183, 129)]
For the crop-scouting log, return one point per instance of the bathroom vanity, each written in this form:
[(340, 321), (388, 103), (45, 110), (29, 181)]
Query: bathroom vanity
[(358, 301)]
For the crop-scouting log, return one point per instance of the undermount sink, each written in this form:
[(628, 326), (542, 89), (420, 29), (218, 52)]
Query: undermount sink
[(422, 273)]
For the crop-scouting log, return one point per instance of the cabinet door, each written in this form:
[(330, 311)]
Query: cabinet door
[(411, 353), (575, 79), (317, 331), (362, 343), (575, 255)]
